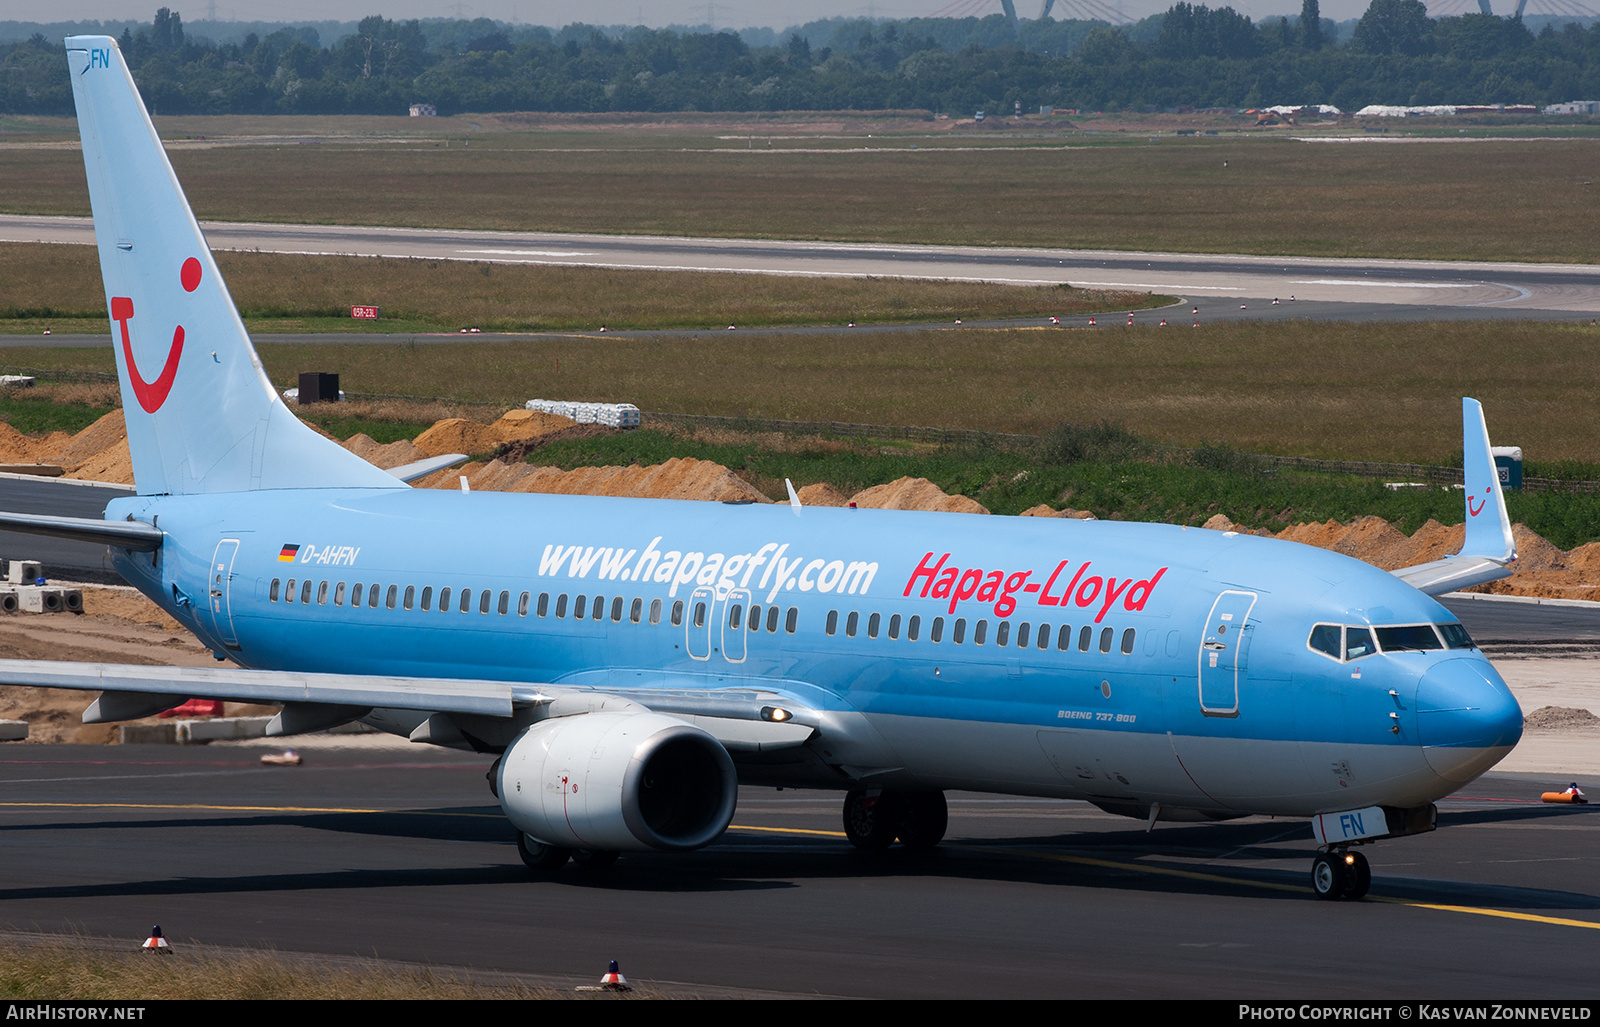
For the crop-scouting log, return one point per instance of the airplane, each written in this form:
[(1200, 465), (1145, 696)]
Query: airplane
[(628, 663)]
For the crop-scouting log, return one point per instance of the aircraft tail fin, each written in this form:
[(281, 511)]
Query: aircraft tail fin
[(202, 415), (1489, 548)]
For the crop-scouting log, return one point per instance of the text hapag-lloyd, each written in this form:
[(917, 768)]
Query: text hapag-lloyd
[(1000, 588)]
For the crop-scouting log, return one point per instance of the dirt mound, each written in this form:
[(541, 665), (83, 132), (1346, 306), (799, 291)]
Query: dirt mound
[(822, 494), (1432, 541), (458, 435), (394, 454), (1560, 718), (91, 442), (678, 478), (915, 494), (114, 465), (1535, 553)]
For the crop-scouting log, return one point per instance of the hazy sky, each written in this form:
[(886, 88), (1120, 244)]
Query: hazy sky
[(656, 13)]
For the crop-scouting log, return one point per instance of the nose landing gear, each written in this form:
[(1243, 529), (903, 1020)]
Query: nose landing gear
[(1340, 874)]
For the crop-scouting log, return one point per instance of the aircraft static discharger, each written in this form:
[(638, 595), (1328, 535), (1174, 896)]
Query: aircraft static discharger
[(629, 662)]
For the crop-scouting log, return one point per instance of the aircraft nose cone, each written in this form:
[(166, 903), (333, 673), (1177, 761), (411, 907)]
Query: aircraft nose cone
[(1467, 719)]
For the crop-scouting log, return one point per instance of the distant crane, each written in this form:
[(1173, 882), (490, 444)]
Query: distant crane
[(1086, 10)]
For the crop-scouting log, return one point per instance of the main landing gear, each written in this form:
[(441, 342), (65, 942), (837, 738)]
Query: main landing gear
[(1340, 874), (873, 820), (544, 860)]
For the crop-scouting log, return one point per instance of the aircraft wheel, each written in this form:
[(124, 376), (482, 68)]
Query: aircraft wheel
[(1358, 876), (541, 858), (927, 816), (871, 822), (1328, 876), (595, 859)]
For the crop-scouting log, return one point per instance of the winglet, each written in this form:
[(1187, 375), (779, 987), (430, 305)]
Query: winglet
[(1488, 524), (1489, 548), (794, 497)]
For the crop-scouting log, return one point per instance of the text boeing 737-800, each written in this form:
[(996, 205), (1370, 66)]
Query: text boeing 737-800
[(629, 662)]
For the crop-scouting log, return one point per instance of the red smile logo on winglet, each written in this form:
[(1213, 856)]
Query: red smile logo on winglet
[(152, 394), (1473, 511)]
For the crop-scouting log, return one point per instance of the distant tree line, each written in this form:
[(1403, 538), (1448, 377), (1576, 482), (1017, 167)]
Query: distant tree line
[(1189, 56)]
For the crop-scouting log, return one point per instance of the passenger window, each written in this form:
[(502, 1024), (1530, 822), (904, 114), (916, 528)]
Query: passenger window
[(561, 606), (393, 598), (894, 626), (444, 599), (1127, 642), (1044, 636), (636, 611), (580, 606), (616, 610), (772, 620), (1084, 638), (543, 609), (699, 615), (755, 618), (1064, 638), (936, 632), (980, 630), (272, 593), (484, 599), (288, 591), (1002, 633), (411, 597), (466, 600), (833, 622), (1358, 643), (677, 613), (1325, 639), (338, 594), (913, 627), (958, 631), (305, 591), (322, 593), (504, 606), (735, 616), (792, 620), (427, 598), (599, 607), (1105, 640), (655, 611), (372, 596), (522, 604), (850, 624)]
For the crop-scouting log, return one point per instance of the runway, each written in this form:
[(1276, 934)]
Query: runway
[(400, 853), (1211, 280)]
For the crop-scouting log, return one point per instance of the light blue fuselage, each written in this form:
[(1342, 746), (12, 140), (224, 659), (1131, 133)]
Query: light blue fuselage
[(1131, 714)]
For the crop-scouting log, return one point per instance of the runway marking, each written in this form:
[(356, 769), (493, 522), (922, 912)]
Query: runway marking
[(1194, 875), (244, 809), (786, 830)]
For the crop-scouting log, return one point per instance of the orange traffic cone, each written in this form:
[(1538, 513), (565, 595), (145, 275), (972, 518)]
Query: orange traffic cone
[(156, 942), (613, 979)]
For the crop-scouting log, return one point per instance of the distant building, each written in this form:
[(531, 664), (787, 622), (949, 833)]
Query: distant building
[(1574, 107), (424, 110)]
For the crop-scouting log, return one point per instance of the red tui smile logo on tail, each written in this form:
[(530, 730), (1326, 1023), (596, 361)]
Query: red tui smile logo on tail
[(1473, 511), (152, 395)]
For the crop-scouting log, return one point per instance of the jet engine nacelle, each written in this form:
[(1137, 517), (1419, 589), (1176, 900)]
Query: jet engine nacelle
[(626, 781)]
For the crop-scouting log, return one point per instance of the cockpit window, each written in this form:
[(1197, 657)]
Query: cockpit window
[(1358, 643), (1325, 638), (1409, 638), (1455, 636)]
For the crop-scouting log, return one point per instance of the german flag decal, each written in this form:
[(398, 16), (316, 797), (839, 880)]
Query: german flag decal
[(286, 554)]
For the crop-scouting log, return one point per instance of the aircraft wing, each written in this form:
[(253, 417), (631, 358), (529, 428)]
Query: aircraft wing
[(1488, 549), (740, 718), (122, 534)]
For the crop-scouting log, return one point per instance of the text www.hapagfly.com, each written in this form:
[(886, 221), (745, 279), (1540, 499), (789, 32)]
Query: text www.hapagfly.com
[(675, 568)]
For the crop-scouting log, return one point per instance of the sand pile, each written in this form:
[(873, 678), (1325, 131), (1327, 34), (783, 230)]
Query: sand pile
[(459, 435), (1559, 718), (915, 494), (1045, 510), (678, 478), (822, 494), (394, 454)]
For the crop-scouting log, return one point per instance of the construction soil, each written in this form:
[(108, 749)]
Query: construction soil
[(100, 453)]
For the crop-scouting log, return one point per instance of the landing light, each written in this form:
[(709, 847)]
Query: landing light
[(775, 714)]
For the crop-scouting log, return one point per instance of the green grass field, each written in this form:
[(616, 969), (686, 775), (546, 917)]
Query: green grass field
[(59, 287), (1516, 199), (1384, 392)]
